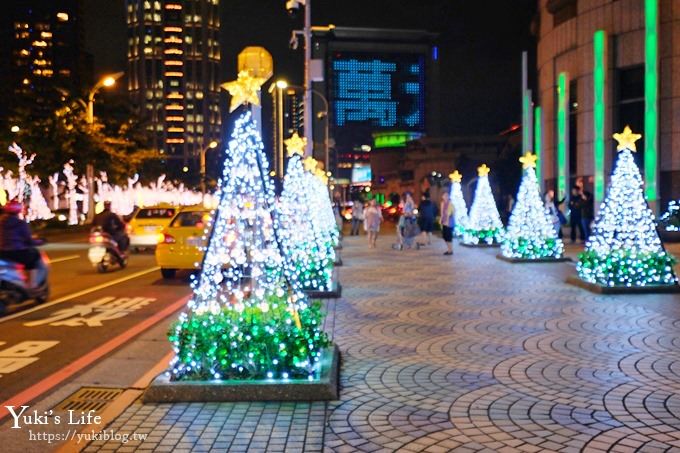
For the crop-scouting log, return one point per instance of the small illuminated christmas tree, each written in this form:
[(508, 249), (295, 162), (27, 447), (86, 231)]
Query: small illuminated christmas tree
[(246, 320), (484, 223), (624, 248), (459, 206), (304, 241), (530, 234), (321, 202)]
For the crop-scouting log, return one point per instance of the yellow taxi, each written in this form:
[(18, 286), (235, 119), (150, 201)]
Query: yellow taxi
[(179, 244), (147, 223)]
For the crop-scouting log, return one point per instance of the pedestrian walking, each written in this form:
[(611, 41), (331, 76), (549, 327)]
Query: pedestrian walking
[(427, 212), (575, 217), (408, 227), (553, 211), (447, 221), (587, 213), (372, 220), (357, 216)]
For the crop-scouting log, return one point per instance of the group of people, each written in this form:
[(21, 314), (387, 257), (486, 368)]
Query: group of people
[(414, 222), (581, 212)]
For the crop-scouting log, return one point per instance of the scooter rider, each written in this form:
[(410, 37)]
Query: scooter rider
[(16, 241), (111, 224)]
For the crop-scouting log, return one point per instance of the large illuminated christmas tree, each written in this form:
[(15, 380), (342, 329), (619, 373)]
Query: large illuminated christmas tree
[(484, 223), (624, 248), (304, 240), (246, 319), (460, 211), (530, 234)]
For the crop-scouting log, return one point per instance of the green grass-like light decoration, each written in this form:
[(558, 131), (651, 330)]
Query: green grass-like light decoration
[(625, 268), (260, 342)]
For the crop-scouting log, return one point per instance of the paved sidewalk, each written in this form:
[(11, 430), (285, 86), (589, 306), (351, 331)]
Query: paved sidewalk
[(462, 354)]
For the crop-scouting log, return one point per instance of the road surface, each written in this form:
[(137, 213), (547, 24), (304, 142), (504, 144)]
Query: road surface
[(87, 316)]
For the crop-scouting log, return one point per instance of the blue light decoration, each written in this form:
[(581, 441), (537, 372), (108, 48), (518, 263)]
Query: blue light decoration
[(387, 92)]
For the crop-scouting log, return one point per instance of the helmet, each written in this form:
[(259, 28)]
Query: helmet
[(13, 207)]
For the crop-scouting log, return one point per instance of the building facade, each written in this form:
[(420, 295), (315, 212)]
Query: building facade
[(173, 75), (375, 80), (604, 64), (41, 51)]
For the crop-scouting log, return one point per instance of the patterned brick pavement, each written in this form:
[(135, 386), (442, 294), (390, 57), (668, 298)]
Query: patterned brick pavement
[(462, 354)]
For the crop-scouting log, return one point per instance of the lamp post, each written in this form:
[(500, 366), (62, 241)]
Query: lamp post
[(279, 86), (212, 145), (320, 115), (106, 81)]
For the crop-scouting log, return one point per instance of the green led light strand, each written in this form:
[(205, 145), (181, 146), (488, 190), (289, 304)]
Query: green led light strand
[(562, 96), (599, 106), (538, 140), (651, 99)]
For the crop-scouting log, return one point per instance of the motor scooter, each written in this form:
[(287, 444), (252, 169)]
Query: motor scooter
[(15, 286), (104, 251)]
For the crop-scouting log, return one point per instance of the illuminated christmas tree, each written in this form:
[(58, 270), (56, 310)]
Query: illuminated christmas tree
[(321, 204), (530, 234), (459, 205), (624, 248), (484, 223), (304, 240), (246, 320)]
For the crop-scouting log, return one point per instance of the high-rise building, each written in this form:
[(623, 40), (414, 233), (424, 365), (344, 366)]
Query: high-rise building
[(41, 50), (173, 74)]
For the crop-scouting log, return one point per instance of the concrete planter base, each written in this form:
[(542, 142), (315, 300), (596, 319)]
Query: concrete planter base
[(539, 260), (162, 390), (481, 245), (334, 293), (599, 289)]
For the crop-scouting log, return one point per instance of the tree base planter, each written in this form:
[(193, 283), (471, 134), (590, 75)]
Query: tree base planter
[(601, 289), (163, 390), (537, 260), (334, 293), (481, 245)]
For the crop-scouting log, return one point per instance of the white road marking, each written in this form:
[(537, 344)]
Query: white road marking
[(63, 258), (81, 293)]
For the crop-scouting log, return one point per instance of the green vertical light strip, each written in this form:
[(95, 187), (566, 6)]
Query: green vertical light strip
[(599, 105), (526, 121), (538, 139), (651, 132), (562, 99)]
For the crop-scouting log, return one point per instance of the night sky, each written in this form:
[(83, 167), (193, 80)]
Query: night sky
[(480, 46)]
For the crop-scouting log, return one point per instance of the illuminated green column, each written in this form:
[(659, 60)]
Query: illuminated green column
[(599, 106), (526, 121), (651, 132), (538, 140), (562, 135)]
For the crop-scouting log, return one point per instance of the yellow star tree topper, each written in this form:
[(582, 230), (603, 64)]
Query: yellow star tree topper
[(296, 145), (309, 164), (626, 139), (528, 160), (483, 170), (244, 90), (456, 176)]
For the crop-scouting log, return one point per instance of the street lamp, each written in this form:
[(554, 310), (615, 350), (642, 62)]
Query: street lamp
[(212, 145), (106, 81), (320, 115), (279, 85), (15, 129)]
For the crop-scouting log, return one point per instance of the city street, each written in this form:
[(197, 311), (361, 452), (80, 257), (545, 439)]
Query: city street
[(87, 316), (469, 353)]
